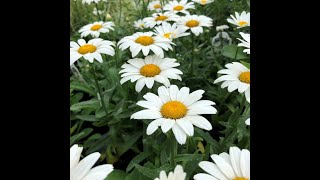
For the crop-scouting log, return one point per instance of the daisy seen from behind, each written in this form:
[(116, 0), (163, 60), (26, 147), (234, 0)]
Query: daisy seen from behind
[(159, 18), (139, 24), (195, 23), (171, 32), (175, 109), (240, 20), (148, 70), (236, 76), (245, 42), (179, 6), (81, 170), (145, 42), (177, 174), (96, 28), (155, 6), (203, 2), (232, 166), (90, 50)]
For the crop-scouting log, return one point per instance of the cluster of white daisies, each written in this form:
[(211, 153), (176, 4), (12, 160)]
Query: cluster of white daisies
[(172, 108)]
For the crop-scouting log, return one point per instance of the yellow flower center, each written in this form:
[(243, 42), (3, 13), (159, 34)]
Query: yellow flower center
[(173, 110), (192, 23), (141, 25), (178, 8), (245, 77), (242, 23), (87, 48), (203, 2), (157, 6), (144, 40), (240, 178), (161, 18), (150, 70), (96, 27), (167, 35)]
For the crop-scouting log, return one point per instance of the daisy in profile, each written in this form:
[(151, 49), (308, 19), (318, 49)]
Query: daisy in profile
[(89, 1), (242, 20), (176, 7), (155, 6), (175, 109), (139, 24), (159, 18), (245, 42), (222, 28), (232, 166), (248, 122), (237, 76), (146, 71), (177, 174), (145, 41), (90, 50), (195, 23), (96, 28), (203, 2), (169, 31), (82, 170)]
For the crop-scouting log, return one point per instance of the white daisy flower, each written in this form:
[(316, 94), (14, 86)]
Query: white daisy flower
[(146, 71), (95, 11), (241, 21), (171, 32), (96, 28), (222, 27), (91, 50), (177, 174), (182, 6), (203, 2), (145, 41), (155, 6), (195, 23), (245, 42), (175, 109), (159, 18), (82, 170), (232, 166), (90, 1), (221, 36), (139, 24), (237, 76), (248, 122)]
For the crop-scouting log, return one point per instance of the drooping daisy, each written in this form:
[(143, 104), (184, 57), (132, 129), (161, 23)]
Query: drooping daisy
[(82, 170), (237, 76), (145, 41), (232, 166), (221, 37), (96, 28), (222, 27), (146, 71), (159, 18), (90, 1), (177, 174), (175, 109), (241, 21), (245, 42), (139, 24), (248, 122), (195, 23), (169, 31), (203, 2), (91, 50), (176, 7), (155, 6)]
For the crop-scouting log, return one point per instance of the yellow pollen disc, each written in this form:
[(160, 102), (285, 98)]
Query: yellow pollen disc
[(240, 178), (157, 6), (245, 77), (141, 25), (144, 40), (242, 23), (161, 18), (178, 8), (203, 1), (167, 35), (192, 23), (150, 70), (87, 48), (96, 27), (173, 110)]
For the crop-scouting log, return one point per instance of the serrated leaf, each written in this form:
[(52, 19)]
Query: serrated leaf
[(93, 103), (82, 87)]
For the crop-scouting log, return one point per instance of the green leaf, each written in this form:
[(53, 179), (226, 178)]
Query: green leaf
[(82, 87), (87, 117), (124, 147), (93, 103), (231, 51), (79, 136), (245, 64), (206, 136), (116, 175), (137, 159), (151, 173), (188, 157)]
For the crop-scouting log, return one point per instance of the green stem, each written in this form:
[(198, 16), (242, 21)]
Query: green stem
[(221, 40), (173, 149), (235, 56), (192, 53), (99, 90), (120, 11), (98, 11)]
